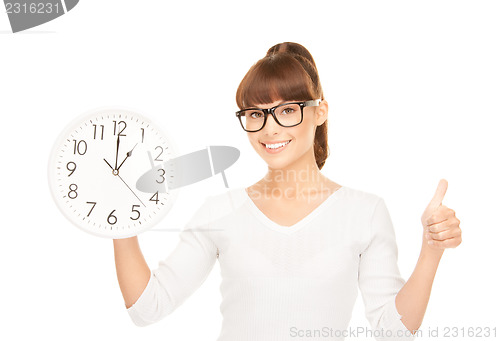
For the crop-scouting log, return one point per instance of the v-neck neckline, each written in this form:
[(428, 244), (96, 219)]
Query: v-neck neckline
[(298, 225)]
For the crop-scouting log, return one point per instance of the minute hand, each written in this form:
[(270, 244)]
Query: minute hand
[(117, 148), (128, 155)]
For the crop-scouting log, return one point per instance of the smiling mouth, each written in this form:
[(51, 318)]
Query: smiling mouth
[(275, 147)]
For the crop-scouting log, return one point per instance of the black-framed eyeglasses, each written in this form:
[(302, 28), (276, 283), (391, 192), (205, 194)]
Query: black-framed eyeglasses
[(288, 114)]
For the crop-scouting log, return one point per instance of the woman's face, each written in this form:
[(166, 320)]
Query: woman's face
[(299, 139)]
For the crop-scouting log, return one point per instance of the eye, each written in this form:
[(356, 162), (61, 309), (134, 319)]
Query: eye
[(255, 114), (287, 109)]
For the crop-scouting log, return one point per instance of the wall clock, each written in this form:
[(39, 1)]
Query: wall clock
[(96, 173)]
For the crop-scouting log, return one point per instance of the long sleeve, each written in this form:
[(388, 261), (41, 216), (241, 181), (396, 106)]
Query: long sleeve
[(180, 274), (379, 278)]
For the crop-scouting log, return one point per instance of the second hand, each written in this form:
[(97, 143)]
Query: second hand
[(131, 190), (124, 182)]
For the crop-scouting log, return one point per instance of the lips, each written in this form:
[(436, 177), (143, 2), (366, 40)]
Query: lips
[(275, 146), (275, 142)]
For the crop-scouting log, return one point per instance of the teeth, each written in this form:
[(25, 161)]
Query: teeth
[(277, 145)]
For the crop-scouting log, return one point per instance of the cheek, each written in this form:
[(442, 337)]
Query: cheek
[(253, 139), (304, 135)]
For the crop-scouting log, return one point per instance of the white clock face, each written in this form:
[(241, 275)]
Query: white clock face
[(96, 173)]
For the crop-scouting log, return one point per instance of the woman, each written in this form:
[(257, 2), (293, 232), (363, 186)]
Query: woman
[(294, 247)]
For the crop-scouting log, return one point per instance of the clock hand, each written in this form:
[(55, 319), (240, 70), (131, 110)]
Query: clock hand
[(128, 155), (108, 164), (131, 190), (117, 147), (116, 170)]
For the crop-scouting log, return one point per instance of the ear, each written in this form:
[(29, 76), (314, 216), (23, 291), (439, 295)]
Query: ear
[(322, 113)]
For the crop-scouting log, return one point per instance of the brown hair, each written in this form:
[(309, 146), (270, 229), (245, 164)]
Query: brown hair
[(287, 72)]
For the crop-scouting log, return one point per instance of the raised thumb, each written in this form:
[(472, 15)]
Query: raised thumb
[(439, 194)]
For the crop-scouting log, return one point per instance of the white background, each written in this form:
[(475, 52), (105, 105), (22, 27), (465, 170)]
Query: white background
[(413, 89)]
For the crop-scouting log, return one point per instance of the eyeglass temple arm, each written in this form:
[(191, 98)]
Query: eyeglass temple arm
[(312, 103)]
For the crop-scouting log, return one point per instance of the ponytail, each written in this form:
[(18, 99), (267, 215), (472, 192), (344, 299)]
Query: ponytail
[(321, 149)]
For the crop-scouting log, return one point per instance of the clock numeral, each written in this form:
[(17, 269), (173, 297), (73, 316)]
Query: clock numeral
[(155, 196), (72, 170), (121, 131), (78, 147), (162, 176), (91, 202), (142, 135), (138, 213), (111, 216), (95, 131), (71, 190), (161, 152)]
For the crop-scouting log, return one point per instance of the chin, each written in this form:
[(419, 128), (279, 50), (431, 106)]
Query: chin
[(278, 162), (281, 160)]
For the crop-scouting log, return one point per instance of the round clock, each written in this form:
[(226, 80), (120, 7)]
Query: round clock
[(106, 173)]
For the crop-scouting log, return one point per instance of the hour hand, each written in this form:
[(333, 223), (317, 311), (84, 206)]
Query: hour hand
[(108, 164), (128, 155)]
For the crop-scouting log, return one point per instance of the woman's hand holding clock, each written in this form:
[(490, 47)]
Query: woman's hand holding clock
[(441, 226)]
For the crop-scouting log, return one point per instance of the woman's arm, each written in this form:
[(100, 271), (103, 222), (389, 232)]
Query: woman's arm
[(132, 270), (412, 299), (150, 295), (441, 230)]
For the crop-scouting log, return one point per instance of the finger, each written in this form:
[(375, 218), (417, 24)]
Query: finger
[(444, 225), (439, 215), (439, 194), (447, 243), (439, 227), (446, 211), (447, 234), (436, 218)]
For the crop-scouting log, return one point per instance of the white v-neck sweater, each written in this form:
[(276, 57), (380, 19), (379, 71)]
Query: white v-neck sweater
[(296, 282)]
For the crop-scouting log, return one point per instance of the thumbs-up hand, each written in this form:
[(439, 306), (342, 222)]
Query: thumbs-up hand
[(441, 227)]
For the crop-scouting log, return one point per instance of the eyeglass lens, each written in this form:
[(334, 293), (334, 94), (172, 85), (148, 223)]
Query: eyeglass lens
[(287, 115)]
